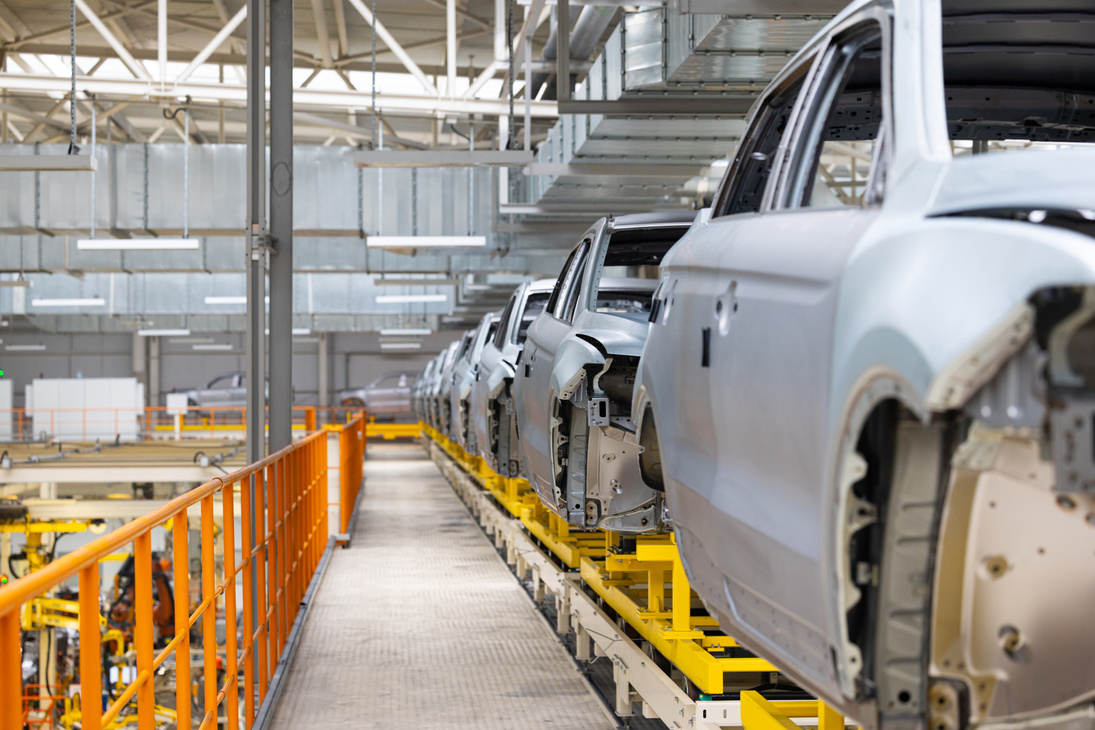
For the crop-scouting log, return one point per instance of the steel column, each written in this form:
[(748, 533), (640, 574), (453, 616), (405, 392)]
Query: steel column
[(562, 49), (281, 223), (256, 224)]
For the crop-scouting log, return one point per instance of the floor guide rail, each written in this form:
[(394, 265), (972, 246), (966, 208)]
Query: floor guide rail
[(627, 600)]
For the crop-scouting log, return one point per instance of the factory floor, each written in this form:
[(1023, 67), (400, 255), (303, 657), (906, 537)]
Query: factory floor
[(419, 624)]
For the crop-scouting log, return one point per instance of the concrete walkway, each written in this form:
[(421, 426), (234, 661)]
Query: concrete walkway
[(419, 624)]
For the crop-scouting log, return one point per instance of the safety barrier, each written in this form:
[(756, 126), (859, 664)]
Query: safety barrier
[(283, 541), (140, 424), (351, 450)]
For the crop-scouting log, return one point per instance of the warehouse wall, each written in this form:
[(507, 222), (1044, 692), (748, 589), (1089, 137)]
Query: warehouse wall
[(354, 360)]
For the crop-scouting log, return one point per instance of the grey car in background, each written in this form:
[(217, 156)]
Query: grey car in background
[(869, 388), (389, 396), (576, 373), (445, 382), (493, 411)]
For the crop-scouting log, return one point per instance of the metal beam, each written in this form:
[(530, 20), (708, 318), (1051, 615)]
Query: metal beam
[(161, 41), (442, 158), (677, 106), (340, 21), (562, 48), (450, 46), (281, 222), (622, 169), (256, 251), (394, 47), (58, 30), (131, 63), (213, 45), (815, 8), (338, 99), (323, 37)]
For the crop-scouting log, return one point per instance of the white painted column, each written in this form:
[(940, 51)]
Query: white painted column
[(324, 371)]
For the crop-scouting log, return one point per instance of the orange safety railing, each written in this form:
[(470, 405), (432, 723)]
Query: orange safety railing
[(280, 554), (104, 424), (351, 450)]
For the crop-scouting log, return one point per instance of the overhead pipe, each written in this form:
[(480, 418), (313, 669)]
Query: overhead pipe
[(592, 22)]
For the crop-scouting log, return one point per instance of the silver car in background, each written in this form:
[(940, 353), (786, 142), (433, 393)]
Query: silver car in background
[(389, 396), (576, 373), (463, 375), (492, 392), (418, 390), (869, 388), (433, 388)]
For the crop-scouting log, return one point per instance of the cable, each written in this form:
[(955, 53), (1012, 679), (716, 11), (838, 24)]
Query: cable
[(72, 148)]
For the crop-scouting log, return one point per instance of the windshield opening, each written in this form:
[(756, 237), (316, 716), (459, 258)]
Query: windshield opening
[(533, 306)]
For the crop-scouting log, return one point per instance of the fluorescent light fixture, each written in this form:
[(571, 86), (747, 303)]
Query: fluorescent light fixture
[(191, 340), (400, 345), (16, 283), (138, 244), (164, 333), (78, 302), (226, 300), (409, 332), (25, 348), (409, 281), (213, 346), (410, 298), (297, 331), (426, 241)]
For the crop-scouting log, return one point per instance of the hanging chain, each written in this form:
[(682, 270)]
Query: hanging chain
[(374, 75), (72, 148), (509, 53)]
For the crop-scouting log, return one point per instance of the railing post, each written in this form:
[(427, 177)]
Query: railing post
[(232, 701), (11, 675), (248, 603), (209, 616), (142, 630), (260, 580), (309, 419), (180, 539), (91, 687)]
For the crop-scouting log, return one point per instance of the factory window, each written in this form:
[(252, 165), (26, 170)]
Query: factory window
[(835, 162)]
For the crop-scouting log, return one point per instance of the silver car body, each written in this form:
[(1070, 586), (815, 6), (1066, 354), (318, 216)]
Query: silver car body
[(574, 380), (447, 380), (784, 332), (492, 392), (418, 390), (433, 388), (464, 373)]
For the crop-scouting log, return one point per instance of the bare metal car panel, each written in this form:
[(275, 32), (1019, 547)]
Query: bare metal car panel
[(492, 392), (779, 335), (435, 392), (464, 372), (569, 408)]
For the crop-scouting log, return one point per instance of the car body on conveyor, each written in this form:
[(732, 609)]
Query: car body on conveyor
[(492, 392), (574, 380), (869, 387), (418, 390), (464, 373), (433, 389), (448, 380)]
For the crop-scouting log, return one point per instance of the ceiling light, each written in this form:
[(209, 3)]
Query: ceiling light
[(409, 281), (164, 333), (297, 331), (226, 300), (410, 298), (25, 348), (19, 283), (191, 340), (213, 346), (80, 302), (138, 244), (410, 332), (400, 345), (426, 241)]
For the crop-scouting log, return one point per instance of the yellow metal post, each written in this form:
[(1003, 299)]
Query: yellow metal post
[(828, 718), (758, 713), (682, 598)]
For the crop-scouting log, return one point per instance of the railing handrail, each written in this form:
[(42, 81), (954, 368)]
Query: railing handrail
[(19, 591)]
